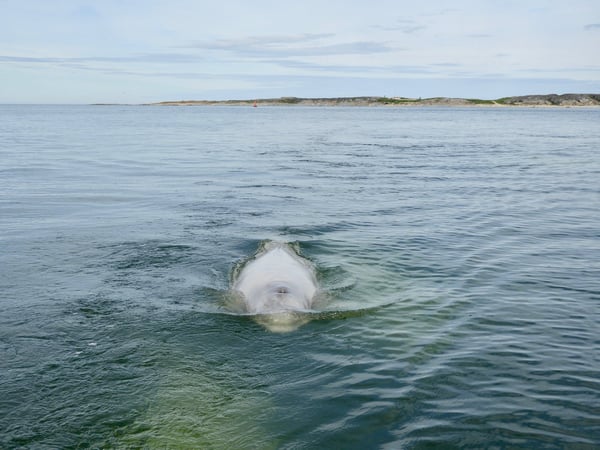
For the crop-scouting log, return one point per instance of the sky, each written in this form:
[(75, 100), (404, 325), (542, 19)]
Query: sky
[(138, 51)]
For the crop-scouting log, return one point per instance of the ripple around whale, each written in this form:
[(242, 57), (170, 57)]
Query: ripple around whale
[(326, 304)]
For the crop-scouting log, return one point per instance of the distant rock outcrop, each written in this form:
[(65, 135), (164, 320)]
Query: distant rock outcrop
[(553, 100)]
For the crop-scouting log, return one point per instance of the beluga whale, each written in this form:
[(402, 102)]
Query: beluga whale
[(277, 286)]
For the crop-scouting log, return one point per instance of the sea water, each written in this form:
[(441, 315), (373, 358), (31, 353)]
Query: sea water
[(458, 250)]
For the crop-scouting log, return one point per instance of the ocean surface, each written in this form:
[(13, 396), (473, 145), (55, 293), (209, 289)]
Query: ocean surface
[(458, 250)]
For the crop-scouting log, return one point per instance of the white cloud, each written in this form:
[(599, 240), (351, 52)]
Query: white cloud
[(269, 46)]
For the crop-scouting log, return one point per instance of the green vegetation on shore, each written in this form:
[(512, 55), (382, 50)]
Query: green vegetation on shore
[(397, 100), (478, 101)]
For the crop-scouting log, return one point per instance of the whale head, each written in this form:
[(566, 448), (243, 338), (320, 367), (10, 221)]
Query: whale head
[(277, 286)]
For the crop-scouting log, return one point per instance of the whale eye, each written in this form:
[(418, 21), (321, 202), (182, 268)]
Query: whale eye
[(282, 290)]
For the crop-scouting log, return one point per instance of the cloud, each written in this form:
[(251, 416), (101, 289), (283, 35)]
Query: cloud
[(384, 71), (164, 58), (259, 41), (147, 64), (592, 26), (404, 26), (287, 46)]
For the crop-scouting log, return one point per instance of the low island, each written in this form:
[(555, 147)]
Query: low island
[(564, 100)]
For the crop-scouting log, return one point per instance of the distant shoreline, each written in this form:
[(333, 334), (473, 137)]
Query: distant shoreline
[(550, 100)]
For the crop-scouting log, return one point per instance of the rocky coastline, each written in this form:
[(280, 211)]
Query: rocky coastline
[(549, 100)]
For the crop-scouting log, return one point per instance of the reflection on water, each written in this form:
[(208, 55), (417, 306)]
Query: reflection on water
[(456, 250)]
